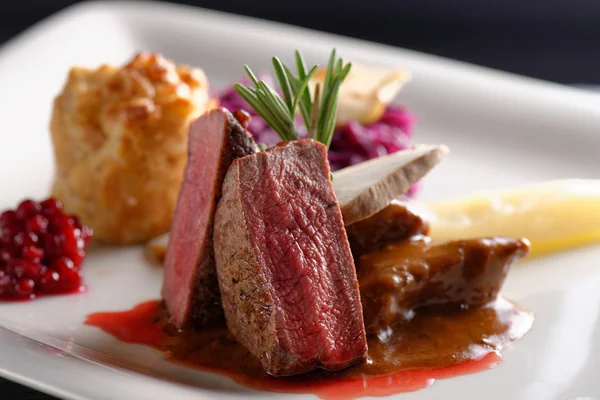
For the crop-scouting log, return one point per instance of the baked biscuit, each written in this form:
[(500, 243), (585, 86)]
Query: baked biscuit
[(120, 144)]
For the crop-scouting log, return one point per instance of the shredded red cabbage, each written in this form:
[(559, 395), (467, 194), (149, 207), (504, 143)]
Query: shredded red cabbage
[(351, 144)]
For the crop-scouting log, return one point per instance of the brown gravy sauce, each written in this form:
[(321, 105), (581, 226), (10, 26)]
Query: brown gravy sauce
[(420, 346)]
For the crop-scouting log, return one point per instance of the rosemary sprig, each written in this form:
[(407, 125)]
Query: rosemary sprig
[(318, 112)]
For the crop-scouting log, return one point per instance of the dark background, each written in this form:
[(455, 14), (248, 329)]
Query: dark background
[(556, 40)]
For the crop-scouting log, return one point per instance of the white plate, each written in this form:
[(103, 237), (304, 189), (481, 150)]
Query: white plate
[(502, 130)]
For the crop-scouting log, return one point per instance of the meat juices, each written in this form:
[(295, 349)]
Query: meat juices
[(287, 276), (190, 289)]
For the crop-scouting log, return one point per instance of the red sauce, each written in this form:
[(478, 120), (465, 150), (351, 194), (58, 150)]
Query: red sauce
[(490, 329)]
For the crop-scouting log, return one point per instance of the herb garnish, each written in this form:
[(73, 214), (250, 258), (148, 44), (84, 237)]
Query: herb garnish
[(319, 111)]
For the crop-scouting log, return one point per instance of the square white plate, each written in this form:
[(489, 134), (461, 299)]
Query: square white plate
[(502, 129)]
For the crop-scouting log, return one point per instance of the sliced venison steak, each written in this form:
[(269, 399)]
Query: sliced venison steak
[(190, 289), (286, 273)]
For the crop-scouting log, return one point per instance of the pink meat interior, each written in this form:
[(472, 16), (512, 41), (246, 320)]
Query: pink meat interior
[(298, 235), (194, 215)]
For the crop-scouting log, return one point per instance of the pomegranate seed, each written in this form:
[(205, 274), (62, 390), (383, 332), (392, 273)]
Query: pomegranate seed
[(86, 234), (26, 269), (32, 253), (71, 235), (5, 283), (7, 236), (27, 209), (37, 224), (59, 222), (54, 244), (69, 280), (8, 218), (26, 239), (76, 222), (49, 281), (55, 222), (21, 288), (77, 258), (51, 204), (63, 264), (24, 287), (5, 256)]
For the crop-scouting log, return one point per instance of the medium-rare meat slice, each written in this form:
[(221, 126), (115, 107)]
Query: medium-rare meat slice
[(286, 273), (390, 225), (416, 274), (190, 289)]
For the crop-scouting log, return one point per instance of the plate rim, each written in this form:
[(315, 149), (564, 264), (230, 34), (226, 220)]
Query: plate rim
[(575, 96)]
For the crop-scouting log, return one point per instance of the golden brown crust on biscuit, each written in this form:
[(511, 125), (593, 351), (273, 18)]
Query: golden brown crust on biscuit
[(120, 143)]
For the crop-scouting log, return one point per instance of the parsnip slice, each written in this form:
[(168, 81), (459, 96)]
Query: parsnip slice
[(364, 189), (366, 92)]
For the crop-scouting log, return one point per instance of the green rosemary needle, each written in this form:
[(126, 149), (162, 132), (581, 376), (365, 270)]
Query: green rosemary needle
[(318, 111)]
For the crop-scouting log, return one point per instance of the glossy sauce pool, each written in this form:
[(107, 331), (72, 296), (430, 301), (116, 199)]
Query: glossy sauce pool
[(412, 357), (431, 311)]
